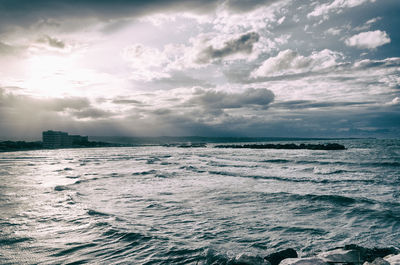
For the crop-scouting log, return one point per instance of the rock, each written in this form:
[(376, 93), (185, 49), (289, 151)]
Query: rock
[(393, 259), (377, 261), (341, 256), (370, 254), (303, 261), (277, 257)]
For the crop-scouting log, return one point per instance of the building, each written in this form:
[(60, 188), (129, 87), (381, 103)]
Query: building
[(57, 139), (78, 140)]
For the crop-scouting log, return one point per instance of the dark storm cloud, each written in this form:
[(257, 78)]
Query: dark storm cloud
[(126, 101), (247, 5), (53, 42), (243, 44), (222, 100), (307, 104), (26, 12)]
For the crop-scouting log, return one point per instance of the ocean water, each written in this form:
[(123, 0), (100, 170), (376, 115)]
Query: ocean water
[(171, 205)]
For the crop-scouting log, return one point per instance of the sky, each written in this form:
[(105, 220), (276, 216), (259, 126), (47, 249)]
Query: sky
[(287, 68)]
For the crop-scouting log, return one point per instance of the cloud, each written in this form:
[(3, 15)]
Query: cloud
[(393, 62), (25, 13), (11, 100), (290, 62), (368, 40), (314, 104), (243, 44), (179, 79), (77, 107), (211, 99), (53, 42), (146, 62), (335, 6), (92, 113), (6, 49), (243, 6), (126, 101), (333, 31)]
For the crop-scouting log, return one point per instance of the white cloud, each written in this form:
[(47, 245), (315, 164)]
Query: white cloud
[(335, 6), (333, 31), (395, 101), (368, 40), (373, 20), (290, 62), (367, 25), (260, 18), (146, 62)]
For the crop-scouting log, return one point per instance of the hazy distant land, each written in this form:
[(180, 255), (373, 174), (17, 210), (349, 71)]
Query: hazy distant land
[(190, 141)]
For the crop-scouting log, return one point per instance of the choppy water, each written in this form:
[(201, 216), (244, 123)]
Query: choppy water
[(169, 205)]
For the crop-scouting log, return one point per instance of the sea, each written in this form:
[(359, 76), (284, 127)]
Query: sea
[(165, 204)]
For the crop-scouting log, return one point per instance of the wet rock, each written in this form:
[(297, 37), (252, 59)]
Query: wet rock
[(303, 261), (393, 259), (377, 261), (370, 254), (276, 258), (341, 256), (328, 146)]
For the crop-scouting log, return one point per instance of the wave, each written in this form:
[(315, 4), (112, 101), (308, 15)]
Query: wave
[(298, 229), (312, 198), (7, 241), (146, 172), (278, 161), (328, 171), (73, 177), (385, 217), (166, 175), (212, 257), (193, 169), (97, 213), (223, 173), (382, 164), (84, 181), (61, 188), (310, 180), (68, 251)]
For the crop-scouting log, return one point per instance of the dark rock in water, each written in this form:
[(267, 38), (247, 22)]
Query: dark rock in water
[(370, 254), (277, 257), (377, 261), (328, 146)]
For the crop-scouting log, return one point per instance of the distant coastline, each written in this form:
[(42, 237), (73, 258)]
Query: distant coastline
[(14, 146), (57, 141)]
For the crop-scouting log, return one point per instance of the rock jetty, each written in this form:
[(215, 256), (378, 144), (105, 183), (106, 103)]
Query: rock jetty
[(328, 146)]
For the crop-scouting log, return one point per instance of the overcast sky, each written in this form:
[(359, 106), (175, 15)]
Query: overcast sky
[(208, 68)]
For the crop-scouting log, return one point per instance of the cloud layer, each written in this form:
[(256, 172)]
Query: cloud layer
[(214, 67)]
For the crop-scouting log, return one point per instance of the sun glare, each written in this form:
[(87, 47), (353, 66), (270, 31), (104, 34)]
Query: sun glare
[(46, 76)]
